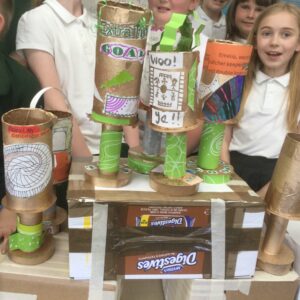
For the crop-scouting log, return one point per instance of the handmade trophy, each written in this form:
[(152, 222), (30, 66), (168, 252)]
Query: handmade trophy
[(173, 76), (28, 163), (283, 204), (54, 216), (221, 86), (120, 50)]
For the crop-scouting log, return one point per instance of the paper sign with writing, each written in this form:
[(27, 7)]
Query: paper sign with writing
[(167, 119), (166, 61)]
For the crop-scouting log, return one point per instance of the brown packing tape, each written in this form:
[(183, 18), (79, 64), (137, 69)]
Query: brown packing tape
[(284, 191)]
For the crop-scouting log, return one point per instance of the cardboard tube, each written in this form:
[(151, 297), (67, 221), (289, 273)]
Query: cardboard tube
[(284, 191)]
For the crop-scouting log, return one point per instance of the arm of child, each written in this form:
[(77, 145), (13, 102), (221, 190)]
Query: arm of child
[(132, 136), (8, 222), (226, 142), (263, 191), (43, 66)]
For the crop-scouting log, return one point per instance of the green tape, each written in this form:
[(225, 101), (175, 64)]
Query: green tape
[(175, 160), (110, 150), (197, 35), (27, 239), (108, 120), (122, 78), (141, 165), (169, 36), (192, 85), (210, 145)]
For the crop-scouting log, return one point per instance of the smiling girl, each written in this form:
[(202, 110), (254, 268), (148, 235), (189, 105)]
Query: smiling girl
[(241, 16), (270, 106)]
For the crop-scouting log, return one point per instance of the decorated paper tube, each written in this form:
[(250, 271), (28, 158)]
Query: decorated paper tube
[(225, 65), (173, 73), (28, 162), (28, 165), (283, 204), (120, 50)]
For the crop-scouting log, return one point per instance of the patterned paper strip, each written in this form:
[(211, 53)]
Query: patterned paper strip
[(175, 161), (110, 149)]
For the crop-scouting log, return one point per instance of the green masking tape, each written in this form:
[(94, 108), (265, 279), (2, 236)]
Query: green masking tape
[(110, 150), (175, 159), (142, 164), (108, 120), (192, 86), (27, 239)]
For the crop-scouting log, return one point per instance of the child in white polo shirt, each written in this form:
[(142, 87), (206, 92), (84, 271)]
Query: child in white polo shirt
[(210, 11), (270, 106)]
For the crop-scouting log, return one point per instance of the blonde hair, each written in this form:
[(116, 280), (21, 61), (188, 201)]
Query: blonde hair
[(293, 105), (6, 10)]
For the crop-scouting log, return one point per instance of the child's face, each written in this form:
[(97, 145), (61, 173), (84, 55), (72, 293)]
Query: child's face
[(163, 9), (245, 15), (214, 6), (276, 42)]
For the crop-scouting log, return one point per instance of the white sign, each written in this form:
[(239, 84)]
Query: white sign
[(170, 60), (167, 119)]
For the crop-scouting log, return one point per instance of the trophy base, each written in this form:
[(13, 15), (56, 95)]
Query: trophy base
[(93, 175), (53, 225), (220, 175), (142, 163), (37, 257), (278, 264), (185, 186)]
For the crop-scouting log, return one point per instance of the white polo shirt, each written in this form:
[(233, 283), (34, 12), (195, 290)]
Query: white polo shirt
[(214, 30), (263, 127), (71, 41)]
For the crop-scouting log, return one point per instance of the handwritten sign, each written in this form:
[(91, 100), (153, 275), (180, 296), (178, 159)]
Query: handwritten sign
[(166, 61), (167, 119)]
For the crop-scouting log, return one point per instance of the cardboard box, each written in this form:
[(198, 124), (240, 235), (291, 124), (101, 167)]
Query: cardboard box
[(140, 227)]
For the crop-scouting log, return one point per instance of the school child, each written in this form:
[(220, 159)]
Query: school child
[(270, 105), (241, 16), (210, 11), (17, 87)]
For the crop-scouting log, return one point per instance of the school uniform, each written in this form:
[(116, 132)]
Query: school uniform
[(258, 137), (214, 30), (71, 41)]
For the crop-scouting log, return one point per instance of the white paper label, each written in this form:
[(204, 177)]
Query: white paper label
[(166, 60), (253, 220), (167, 119)]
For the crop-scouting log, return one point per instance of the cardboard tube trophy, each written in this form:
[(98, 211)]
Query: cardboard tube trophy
[(225, 65), (172, 98), (120, 50), (283, 204), (28, 163)]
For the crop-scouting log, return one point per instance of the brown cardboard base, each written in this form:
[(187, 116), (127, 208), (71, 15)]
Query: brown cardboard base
[(93, 175)]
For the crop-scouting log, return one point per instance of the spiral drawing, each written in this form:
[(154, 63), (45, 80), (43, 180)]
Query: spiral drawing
[(28, 168)]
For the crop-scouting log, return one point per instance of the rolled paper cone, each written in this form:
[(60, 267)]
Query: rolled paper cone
[(284, 191), (120, 50), (223, 61), (28, 162), (175, 160), (62, 143), (172, 91), (209, 151), (110, 149)]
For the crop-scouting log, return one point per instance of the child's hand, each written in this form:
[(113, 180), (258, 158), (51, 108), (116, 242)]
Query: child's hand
[(8, 222)]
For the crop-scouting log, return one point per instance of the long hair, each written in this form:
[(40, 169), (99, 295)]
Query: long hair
[(6, 9), (293, 105), (231, 29)]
